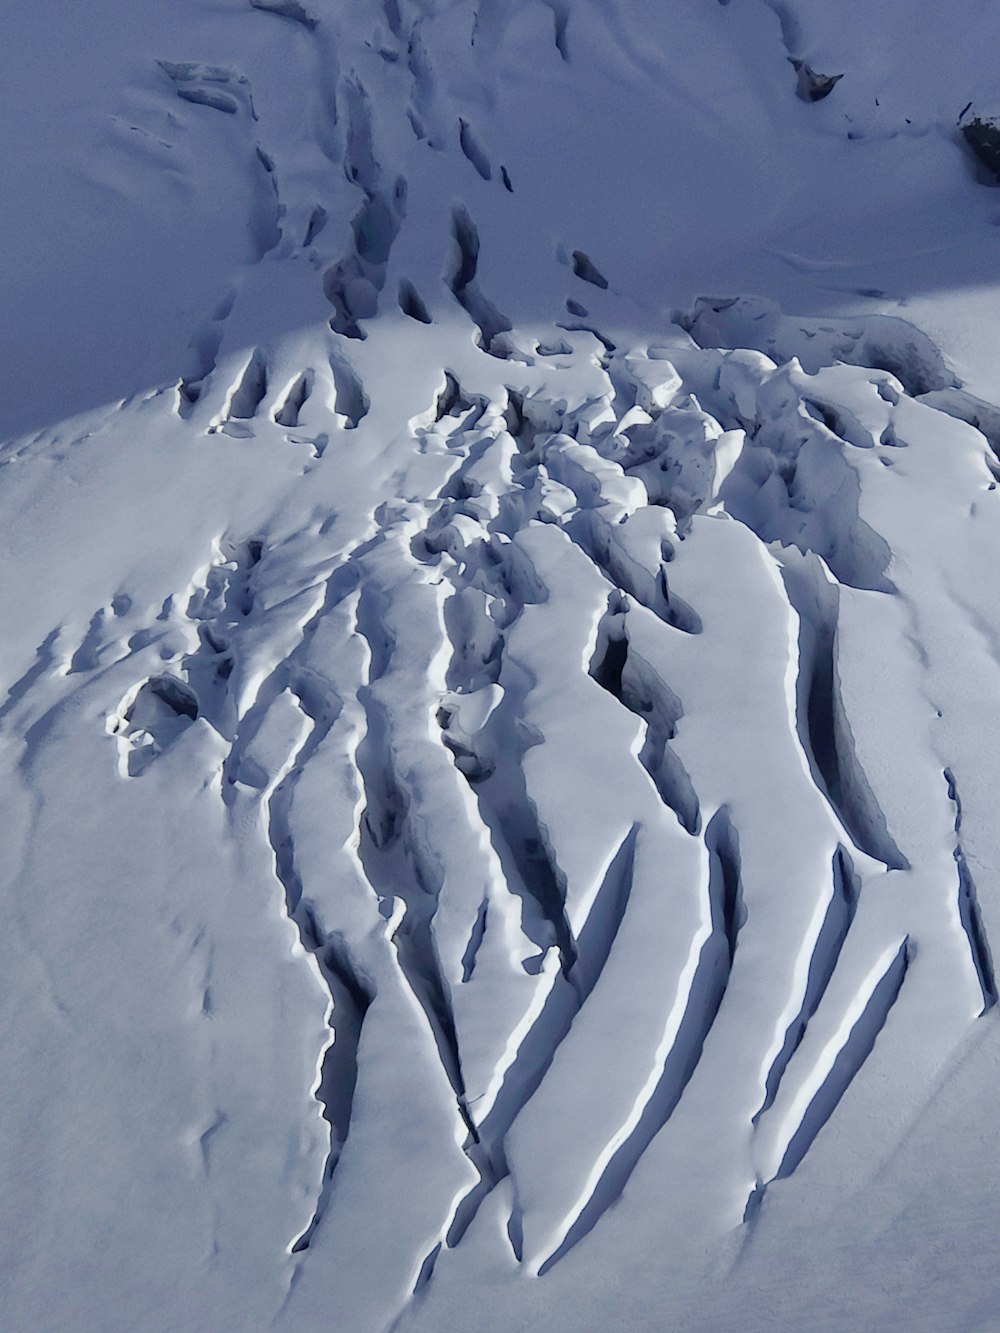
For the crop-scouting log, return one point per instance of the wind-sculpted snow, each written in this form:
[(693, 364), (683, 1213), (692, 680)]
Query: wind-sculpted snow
[(499, 822), (613, 863)]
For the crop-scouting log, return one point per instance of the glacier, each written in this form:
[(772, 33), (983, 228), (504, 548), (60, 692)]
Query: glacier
[(499, 514)]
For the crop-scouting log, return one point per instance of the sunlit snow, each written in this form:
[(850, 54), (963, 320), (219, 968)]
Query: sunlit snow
[(500, 666)]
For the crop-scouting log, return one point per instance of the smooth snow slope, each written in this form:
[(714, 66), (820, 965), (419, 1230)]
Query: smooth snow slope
[(498, 765)]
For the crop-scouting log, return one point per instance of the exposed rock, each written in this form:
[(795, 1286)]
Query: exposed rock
[(813, 86)]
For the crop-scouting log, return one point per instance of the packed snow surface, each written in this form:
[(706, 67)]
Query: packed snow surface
[(500, 666)]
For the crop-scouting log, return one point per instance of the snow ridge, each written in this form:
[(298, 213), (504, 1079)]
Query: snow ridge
[(495, 744), (500, 829)]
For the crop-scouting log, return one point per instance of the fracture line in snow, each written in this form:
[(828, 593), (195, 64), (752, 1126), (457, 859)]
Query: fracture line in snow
[(672, 1026), (862, 1021)]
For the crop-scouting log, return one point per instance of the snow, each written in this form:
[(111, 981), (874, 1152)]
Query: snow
[(500, 644)]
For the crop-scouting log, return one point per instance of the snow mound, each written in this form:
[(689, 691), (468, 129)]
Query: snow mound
[(498, 778)]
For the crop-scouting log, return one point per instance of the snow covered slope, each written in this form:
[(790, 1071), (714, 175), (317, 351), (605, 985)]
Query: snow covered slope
[(498, 745)]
